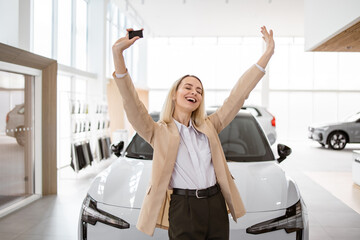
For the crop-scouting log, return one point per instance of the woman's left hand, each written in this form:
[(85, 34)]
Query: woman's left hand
[(269, 40)]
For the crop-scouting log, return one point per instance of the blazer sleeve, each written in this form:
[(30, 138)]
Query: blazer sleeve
[(240, 92), (136, 112)]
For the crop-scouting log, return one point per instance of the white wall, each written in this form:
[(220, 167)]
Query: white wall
[(9, 22), (326, 18)]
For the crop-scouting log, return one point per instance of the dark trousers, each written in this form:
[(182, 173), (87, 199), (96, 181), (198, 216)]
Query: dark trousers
[(191, 218)]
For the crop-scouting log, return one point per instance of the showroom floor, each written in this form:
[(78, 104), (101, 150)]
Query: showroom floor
[(324, 177)]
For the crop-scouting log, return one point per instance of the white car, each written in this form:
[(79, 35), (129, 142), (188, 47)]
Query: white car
[(15, 122), (266, 120), (275, 209)]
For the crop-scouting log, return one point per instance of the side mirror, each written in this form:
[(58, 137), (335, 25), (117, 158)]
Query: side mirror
[(117, 148), (283, 152)]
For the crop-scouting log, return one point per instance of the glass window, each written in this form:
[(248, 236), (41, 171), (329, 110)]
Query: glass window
[(80, 86), (325, 107), (349, 77), (180, 61), (43, 23), (290, 69), (201, 58), (279, 68), (81, 35), (64, 32), (279, 106), (254, 98), (300, 68), (227, 65), (65, 108), (325, 70), (348, 104), (109, 62), (17, 136), (157, 99), (215, 98), (300, 114), (242, 140), (158, 69)]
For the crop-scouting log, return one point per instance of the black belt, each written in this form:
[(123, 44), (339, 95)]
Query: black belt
[(198, 193)]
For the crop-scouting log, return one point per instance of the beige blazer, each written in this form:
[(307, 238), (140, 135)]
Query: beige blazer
[(165, 139)]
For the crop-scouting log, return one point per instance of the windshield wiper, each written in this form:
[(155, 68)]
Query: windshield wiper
[(137, 156)]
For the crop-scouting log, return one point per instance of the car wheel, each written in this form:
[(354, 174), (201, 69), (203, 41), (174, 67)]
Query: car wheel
[(337, 140), (20, 136)]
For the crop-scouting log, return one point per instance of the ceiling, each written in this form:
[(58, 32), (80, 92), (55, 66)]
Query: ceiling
[(227, 18)]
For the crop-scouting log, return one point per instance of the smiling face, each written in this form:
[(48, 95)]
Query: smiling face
[(188, 96)]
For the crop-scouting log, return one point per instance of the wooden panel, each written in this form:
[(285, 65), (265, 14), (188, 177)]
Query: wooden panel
[(21, 57), (346, 41), (144, 96), (49, 80), (29, 142), (49, 163), (116, 109)]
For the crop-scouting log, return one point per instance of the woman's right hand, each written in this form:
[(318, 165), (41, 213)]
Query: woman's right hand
[(269, 39), (118, 48), (123, 43)]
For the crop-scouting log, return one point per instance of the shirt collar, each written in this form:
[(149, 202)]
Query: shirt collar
[(180, 125)]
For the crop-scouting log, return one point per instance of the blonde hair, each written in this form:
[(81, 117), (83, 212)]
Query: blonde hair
[(166, 115)]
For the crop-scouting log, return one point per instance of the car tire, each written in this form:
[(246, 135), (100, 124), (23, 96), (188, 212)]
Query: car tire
[(20, 136), (337, 140)]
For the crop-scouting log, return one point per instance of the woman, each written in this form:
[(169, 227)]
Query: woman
[(191, 188)]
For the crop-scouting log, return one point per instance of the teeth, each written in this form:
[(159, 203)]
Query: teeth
[(191, 99)]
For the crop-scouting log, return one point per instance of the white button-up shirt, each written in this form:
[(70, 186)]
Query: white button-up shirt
[(193, 167)]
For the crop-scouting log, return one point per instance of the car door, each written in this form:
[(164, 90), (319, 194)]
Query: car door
[(353, 129)]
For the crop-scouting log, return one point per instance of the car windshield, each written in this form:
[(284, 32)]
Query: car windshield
[(353, 118), (242, 141)]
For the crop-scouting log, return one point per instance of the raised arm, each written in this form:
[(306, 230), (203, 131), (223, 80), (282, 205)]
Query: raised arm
[(270, 46), (247, 82), (136, 112)]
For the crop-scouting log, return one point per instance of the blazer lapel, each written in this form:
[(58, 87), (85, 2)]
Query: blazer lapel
[(202, 128)]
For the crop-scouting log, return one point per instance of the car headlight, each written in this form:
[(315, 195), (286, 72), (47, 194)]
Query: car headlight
[(91, 214), (292, 221)]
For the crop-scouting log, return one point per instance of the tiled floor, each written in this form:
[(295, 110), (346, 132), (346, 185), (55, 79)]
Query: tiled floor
[(323, 176)]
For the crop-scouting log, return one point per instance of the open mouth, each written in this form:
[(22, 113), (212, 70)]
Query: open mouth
[(192, 100)]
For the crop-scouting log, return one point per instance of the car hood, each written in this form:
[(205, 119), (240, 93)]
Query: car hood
[(323, 125), (263, 186)]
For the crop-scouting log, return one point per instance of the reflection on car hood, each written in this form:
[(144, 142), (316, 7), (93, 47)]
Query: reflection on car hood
[(263, 186), (123, 183), (322, 125)]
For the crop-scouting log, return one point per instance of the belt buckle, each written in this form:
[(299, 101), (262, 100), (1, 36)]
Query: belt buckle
[(196, 193)]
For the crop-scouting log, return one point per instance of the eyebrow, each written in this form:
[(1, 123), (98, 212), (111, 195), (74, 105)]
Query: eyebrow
[(192, 86)]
